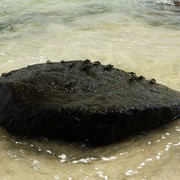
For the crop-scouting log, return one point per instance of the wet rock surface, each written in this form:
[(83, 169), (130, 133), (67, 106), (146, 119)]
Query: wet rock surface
[(176, 2), (80, 101)]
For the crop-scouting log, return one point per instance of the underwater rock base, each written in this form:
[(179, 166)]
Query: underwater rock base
[(81, 101)]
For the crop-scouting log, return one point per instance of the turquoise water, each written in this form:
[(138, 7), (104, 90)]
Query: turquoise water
[(135, 35)]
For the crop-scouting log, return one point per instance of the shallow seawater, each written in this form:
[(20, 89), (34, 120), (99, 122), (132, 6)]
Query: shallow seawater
[(134, 35)]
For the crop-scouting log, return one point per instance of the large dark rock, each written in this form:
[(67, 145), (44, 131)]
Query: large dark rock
[(81, 101)]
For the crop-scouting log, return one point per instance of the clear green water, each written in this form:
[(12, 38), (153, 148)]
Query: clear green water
[(134, 35)]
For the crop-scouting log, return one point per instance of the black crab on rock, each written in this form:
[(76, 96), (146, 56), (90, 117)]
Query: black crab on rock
[(83, 101)]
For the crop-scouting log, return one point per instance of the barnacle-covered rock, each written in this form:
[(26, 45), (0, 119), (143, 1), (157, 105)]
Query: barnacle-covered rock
[(81, 101)]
